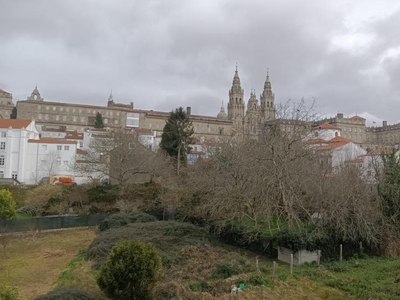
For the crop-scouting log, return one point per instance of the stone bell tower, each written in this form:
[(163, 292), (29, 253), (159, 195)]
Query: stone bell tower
[(267, 101), (236, 103)]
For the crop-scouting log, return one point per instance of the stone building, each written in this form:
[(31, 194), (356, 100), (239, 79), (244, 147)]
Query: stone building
[(6, 104), (353, 128), (124, 116)]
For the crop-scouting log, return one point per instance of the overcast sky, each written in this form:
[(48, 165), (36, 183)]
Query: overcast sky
[(161, 54)]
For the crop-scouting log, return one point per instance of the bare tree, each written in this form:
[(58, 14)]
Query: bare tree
[(121, 158), (49, 165), (278, 180)]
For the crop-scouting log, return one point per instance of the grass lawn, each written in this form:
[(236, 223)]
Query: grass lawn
[(33, 264), (22, 216)]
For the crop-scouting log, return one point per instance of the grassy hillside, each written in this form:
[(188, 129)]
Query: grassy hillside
[(203, 270)]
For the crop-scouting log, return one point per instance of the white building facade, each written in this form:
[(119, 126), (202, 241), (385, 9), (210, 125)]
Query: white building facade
[(25, 157)]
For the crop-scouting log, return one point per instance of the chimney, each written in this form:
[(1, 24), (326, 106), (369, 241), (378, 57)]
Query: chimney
[(384, 123), (340, 116), (131, 104), (188, 110)]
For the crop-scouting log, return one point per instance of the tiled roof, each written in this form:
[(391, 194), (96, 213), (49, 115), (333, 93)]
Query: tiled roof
[(74, 135), (80, 151), (14, 123), (52, 141), (330, 146), (339, 139), (325, 126), (334, 143), (316, 141), (356, 118)]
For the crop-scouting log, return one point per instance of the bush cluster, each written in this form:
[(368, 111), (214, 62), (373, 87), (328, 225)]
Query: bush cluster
[(168, 237), (121, 219), (66, 294)]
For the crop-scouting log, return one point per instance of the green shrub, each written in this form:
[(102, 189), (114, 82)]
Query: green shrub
[(258, 280), (130, 271), (121, 219), (225, 270), (7, 204), (8, 293), (103, 194), (66, 294), (201, 286)]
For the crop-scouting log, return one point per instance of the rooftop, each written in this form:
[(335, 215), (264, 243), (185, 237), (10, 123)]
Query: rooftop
[(14, 123)]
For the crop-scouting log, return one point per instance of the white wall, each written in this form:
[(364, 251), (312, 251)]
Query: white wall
[(345, 153), (45, 159)]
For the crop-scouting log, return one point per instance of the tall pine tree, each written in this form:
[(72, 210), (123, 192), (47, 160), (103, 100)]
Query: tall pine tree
[(98, 123), (13, 113), (177, 136)]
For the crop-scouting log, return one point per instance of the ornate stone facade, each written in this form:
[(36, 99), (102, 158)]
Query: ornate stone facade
[(251, 122)]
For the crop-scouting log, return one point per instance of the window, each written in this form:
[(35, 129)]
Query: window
[(66, 148), (116, 122), (58, 162), (59, 147), (82, 119), (40, 116), (47, 108), (67, 109), (14, 176), (65, 162), (132, 120), (39, 107), (2, 159), (80, 110), (57, 117), (75, 118), (3, 134), (54, 108), (64, 118), (44, 147), (61, 108), (2, 145), (73, 110), (46, 116), (117, 113), (1, 174), (105, 121)]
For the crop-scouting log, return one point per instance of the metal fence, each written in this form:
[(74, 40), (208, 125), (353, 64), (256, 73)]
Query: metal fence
[(50, 223)]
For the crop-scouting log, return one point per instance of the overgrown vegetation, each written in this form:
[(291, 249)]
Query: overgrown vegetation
[(66, 294), (121, 219), (167, 237)]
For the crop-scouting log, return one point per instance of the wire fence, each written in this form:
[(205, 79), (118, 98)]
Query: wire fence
[(50, 223)]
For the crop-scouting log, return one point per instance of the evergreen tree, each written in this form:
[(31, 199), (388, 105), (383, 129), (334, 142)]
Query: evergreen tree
[(177, 136), (13, 113), (130, 270), (389, 188), (98, 123)]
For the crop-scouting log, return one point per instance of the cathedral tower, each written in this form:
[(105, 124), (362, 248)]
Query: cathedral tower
[(252, 119), (267, 101), (236, 103)]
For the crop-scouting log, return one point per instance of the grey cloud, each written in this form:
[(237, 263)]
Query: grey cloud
[(164, 54)]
